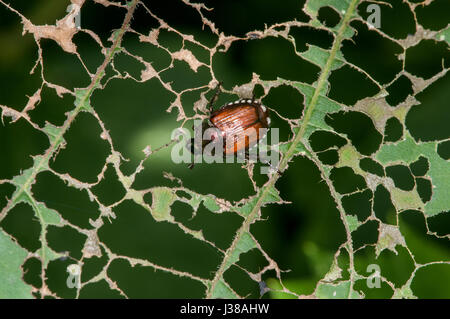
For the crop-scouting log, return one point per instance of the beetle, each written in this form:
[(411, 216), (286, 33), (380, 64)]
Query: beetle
[(238, 123)]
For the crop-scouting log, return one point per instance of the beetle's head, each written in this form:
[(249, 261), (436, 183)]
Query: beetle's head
[(204, 134)]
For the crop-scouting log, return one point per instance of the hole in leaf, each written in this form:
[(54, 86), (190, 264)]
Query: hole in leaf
[(244, 58), (433, 15), (429, 120), (439, 223), (382, 292), (58, 64), (359, 129), (66, 239), (19, 157), (390, 262), (170, 40), (366, 234), (284, 130), (427, 58), (443, 150), (242, 284), (330, 157), (365, 259), (126, 63), (269, 278), (198, 51), (22, 224), (399, 90), (258, 91), (85, 153), (419, 167), (291, 230), (130, 280), (285, 100), (52, 108), (323, 140), (142, 21), (158, 57), (109, 190), (425, 247), (361, 86), (427, 281), (99, 288), (56, 277), (343, 262), (74, 206), (402, 177), (383, 207), (32, 272), (136, 233), (94, 265), (393, 130), (238, 18), (424, 189), (253, 260), (187, 77), (90, 19), (306, 35), (346, 181), (182, 212), (91, 58), (396, 19), (369, 165), (188, 99), (358, 204), (218, 228), (364, 51), (328, 17)]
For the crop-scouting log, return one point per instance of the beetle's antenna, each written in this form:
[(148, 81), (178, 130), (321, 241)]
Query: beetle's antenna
[(215, 96)]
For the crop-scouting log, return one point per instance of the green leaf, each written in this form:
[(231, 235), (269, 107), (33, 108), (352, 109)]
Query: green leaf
[(339, 291), (222, 291), (407, 151), (82, 99), (12, 256), (245, 244), (404, 292), (352, 222), (163, 198), (319, 57), (273, 196), (443, 35), (211, 204)]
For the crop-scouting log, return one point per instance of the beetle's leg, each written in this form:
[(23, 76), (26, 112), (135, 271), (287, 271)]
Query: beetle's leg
[(191, 166), (214, 97)]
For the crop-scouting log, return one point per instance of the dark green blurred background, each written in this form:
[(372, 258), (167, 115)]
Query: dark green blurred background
[(302, 236)]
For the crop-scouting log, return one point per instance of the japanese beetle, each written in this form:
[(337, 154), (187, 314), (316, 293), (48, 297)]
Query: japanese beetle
[(237, 123)]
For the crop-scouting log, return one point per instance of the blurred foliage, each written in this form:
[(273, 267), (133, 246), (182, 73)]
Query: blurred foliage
[(301, 236)]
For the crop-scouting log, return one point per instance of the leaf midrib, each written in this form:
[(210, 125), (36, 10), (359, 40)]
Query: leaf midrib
[(263, 193)]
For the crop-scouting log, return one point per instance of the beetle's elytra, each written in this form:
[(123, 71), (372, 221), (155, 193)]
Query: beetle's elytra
[(239, 123)]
